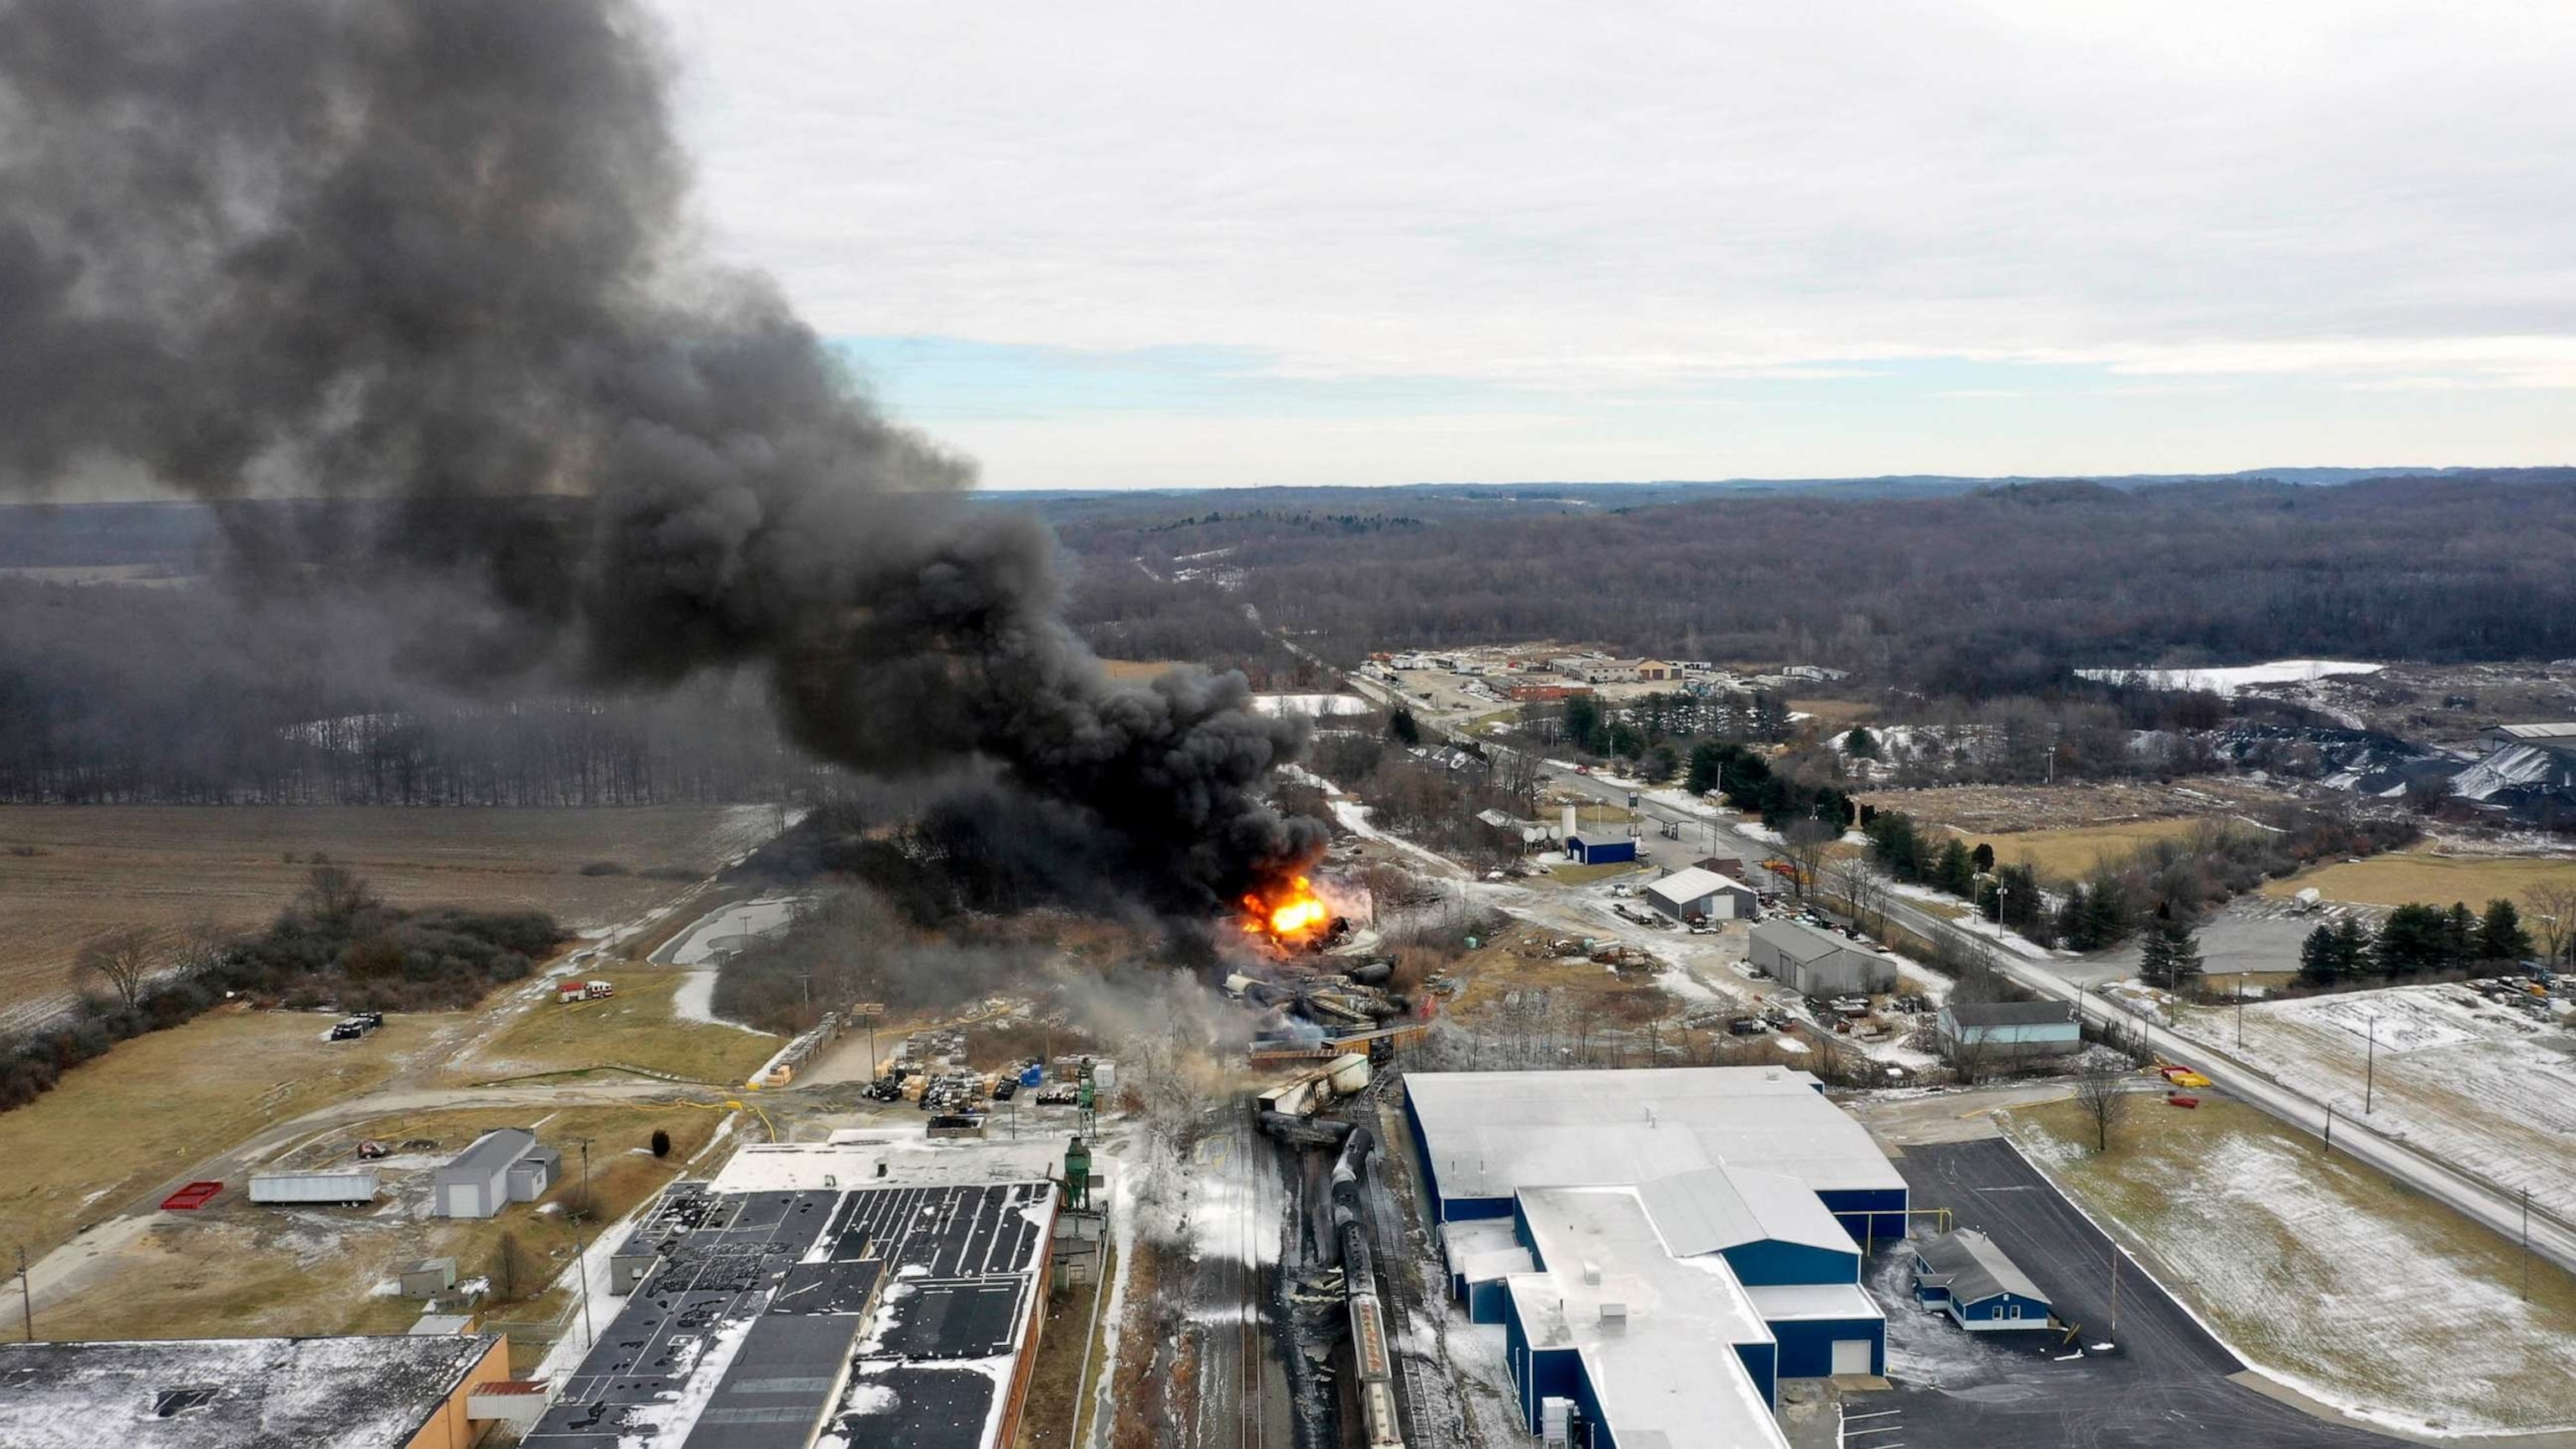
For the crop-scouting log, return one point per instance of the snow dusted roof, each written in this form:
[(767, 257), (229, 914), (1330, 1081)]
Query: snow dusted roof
[(1790, 1302), (906, 1155), (351, 1392), (1685, 886), (1968, 1263), (1658, 1364), (1490, 1134), (1715, 1208)]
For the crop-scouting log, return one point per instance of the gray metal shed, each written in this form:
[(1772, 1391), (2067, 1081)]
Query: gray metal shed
[(1819, 963), (1703, 894), (534, 1172), (428, 1278), (476, 1183)]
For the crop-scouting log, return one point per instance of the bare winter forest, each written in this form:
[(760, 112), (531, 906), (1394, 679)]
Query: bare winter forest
[(130, 671)]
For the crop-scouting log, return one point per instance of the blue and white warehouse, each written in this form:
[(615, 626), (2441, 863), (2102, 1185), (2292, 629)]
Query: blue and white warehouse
[(1660, 1247)]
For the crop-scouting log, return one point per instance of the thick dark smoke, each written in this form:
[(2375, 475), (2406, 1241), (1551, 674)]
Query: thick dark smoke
[(429, 252)]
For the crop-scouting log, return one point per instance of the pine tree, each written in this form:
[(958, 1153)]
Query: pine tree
[(1860, 744), (2460, 935), (1403, 728), (2182, 953), (2155, 959), (2351, 949), (2500, 934), (2321, 958), (1953, 872)]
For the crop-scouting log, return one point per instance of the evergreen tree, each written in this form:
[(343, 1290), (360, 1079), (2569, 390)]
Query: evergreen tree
[(1860, 744), (2321, 958), (1953, 871), (2155, 958), (2500, 934), (1403, 728), (2351, 949), (2459, 935), (2415, 938), (1707, 767), (1983, 857), (2182, 964), (1582, 722)]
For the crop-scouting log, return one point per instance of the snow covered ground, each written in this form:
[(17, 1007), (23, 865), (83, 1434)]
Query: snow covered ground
[(723, 930), (2226, 680), (2265, 1239), (1311, 705), (2480, 1086)]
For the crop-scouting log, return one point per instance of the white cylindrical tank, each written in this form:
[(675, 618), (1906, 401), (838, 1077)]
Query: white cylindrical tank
[(313, 1187), (1349, 1074)]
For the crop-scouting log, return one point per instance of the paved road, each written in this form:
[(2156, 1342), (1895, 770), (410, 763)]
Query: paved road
[(2165, 1385)]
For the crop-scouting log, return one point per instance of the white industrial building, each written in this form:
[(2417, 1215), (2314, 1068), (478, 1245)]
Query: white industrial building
[(1813, 962), (1661, 1247), (1697, 894), (503, 1166)]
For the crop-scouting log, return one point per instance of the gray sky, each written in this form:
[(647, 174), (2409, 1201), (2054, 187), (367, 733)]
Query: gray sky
[(1109, 244)]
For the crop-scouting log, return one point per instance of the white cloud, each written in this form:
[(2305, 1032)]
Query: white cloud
[(1599, 199)]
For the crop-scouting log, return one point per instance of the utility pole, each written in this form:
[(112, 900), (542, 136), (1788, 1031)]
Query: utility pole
[(2115, 1290), (2329, 1126), (2240, 1011), (27, 1294), (2370, 1063), (581, 1259)]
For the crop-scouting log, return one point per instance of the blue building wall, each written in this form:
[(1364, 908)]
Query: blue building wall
[(1807, 1344), (1991, 1310), (1486, 1301), (1762, 1361), (1769, 1262), (1870, 1215), (1545, 1374), (1600, 852)]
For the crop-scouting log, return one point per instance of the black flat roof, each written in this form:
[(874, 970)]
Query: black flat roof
[(881, 1312)]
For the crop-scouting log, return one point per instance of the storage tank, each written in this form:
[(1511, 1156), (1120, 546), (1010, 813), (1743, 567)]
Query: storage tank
[(313, 1187)]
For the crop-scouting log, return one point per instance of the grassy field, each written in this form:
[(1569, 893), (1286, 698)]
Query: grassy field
[(237, 1268), (1589, 874), (2401, 876), (2070, 854), (74, 872), (2335, 1278), (122, 1124), (635, 1028)]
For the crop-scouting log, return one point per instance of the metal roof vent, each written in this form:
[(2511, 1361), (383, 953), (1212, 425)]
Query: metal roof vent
[(1614, 1317), (171, 1403), (1591, 1273)]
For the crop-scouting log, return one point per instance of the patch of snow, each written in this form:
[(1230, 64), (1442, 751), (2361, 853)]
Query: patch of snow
[(1310, 705), (2226, 680)]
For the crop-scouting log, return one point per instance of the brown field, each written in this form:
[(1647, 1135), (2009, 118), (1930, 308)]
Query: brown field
[(2070, 854), (635, 1028), (1991, 809), (1138, 668), (121, 1125), (70, 873), (2418, 874), (1833, 716), (238, 1268)]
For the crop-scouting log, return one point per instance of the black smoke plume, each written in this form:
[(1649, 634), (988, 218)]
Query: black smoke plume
[(431, 253)]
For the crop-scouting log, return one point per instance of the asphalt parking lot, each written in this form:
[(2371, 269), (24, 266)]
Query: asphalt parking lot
[(2164, 1385)]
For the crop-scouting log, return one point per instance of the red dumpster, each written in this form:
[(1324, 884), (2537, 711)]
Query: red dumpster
[(192, 1197), (2182, 1101)]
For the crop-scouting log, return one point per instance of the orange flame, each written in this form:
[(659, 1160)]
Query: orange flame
[(1296, 909)]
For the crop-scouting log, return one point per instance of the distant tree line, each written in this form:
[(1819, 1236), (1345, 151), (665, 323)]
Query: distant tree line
[(1987, 594), (337, 945)]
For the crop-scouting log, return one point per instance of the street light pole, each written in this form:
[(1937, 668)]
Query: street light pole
[(27, 1294), (2240, 1011)]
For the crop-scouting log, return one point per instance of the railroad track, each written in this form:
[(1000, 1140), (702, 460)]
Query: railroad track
[(1402, 1296)]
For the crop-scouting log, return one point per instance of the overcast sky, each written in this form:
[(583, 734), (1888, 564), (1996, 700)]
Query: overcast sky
[(1108, 245)]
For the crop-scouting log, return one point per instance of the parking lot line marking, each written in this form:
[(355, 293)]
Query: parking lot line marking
[(1872, 1414)]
